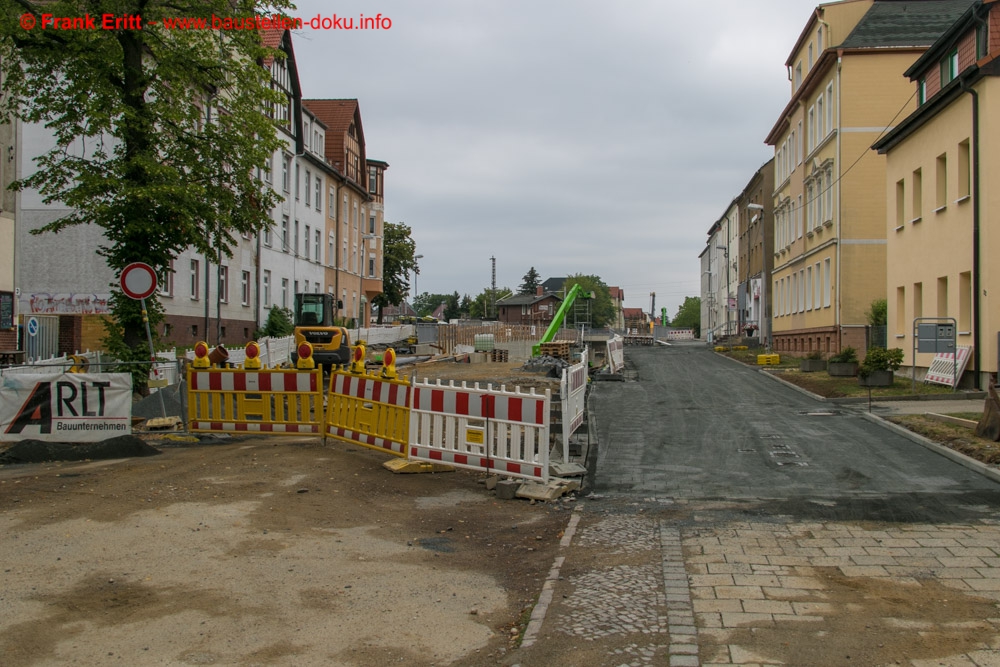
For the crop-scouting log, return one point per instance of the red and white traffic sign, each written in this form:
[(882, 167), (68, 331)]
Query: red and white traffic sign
[(138, 280)]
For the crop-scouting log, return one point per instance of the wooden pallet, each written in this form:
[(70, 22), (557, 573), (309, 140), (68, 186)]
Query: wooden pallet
[(557, 348), (499, 356)]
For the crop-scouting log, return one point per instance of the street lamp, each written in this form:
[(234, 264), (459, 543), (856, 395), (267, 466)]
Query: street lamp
[(416, 272)]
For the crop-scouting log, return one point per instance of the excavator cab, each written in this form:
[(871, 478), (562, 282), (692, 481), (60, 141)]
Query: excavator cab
[(314, 323)]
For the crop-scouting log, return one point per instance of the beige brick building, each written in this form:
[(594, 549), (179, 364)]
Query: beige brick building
[(846, 79), (942, 217)]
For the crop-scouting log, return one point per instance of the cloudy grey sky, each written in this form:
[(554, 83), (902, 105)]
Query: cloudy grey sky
[(573, 136)]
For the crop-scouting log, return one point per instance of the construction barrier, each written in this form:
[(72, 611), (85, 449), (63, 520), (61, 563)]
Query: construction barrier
[(368, 410), (946, 368), (573, 393), (258, 401), (616, 354), (768, 359), (498, 431)]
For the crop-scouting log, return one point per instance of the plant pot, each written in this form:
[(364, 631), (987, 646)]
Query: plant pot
[(877, 379), (812, 365), (842, 368)]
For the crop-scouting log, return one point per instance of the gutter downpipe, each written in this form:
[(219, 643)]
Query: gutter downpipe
[(976, 280), (840, 203)]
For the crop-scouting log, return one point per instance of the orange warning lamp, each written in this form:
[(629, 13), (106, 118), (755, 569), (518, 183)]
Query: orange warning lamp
[(252, 361), (389, 364), (358, 359), (305, 352), (201, 356)]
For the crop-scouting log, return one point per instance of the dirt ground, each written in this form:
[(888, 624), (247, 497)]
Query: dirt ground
[(277, 551)]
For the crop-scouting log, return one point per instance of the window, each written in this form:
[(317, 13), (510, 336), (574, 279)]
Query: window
[(371, 223), (245, 288), (167, 280), (829, 108), (819, 40), (820, 120), (965, 301), (329, 249), (316, 250), (900, 202), (916, 195), (331, 209), (798, 217), (306, 249), (267, 169), (224, 284), (798, 144), (354, 218), (900, 310), (802, 290), (297, 184), (828, 194), (922, 91), (286, 164), (308, 190), (918, 300), (941, 189), (964, 181), (810, 61), (826, 283), (809, 288), (284, 233), (373, 180), (812, 129), (194, 279), (942, 296), (811, 211), (267, 235), (949, 68), (371, 266), (798, 76), (982, 41), (267, 288), (319, 190), (284, 292), (817, 285), (296, 238)]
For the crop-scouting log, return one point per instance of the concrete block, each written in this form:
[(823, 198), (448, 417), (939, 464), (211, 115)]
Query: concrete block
[(507, 489), (491, 482)]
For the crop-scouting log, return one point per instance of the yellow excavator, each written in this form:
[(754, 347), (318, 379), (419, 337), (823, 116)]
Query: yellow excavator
[(314, 324)]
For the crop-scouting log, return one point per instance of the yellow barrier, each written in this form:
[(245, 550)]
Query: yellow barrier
[(370, 410), (768, 359), (259, 401)]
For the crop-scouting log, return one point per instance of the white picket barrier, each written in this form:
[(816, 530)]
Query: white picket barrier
[(946, 369), (616, 354), (491, 430), (573, 393)]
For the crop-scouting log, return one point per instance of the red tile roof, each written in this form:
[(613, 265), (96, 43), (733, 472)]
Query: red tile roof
[(338, 116), (271, 38)]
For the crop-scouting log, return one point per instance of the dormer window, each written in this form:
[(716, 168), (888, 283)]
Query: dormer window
[(949, 68), (922, 91)]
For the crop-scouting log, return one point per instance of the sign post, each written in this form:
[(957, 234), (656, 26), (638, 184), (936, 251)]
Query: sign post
[(138, 281)]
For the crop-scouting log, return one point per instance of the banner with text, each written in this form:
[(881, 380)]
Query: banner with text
[(65, 407)]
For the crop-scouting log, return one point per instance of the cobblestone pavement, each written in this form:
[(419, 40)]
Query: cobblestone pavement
[(709, 585)]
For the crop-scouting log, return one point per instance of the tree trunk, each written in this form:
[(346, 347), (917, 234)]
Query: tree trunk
[(989, 425)]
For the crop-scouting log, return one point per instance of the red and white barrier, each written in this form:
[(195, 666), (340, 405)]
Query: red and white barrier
[(946, 369), (616, 354), (493, 430), (237, 400)]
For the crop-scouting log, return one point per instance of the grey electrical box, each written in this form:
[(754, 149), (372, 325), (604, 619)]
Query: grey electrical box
[(932, 337)]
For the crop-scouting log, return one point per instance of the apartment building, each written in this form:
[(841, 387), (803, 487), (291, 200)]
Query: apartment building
[(355, 217), (942, 219), (8, 304), (829, 200), (755, 254), (721, 276)]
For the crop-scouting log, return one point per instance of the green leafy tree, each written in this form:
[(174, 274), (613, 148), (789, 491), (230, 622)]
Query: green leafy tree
[(453, 308), (482, 306), (159, 134), (398, 250), (602, 308), (279, 324), (689, 315), (466, 306), (878, 313), (531, 282)]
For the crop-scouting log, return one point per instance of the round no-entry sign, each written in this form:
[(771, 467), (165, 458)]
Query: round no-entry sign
[(138, 280)]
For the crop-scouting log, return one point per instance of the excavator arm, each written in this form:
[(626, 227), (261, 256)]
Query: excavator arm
[(557, 321)]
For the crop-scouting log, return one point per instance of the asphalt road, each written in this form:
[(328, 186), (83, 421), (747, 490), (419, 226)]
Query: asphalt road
[(698, 426)]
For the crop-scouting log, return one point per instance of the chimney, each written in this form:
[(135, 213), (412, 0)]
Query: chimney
[(539, 291)]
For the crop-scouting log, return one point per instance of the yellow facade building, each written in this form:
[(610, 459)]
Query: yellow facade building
[(829, 199), (942, 217)]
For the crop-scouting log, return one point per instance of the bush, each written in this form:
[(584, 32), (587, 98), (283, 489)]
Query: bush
[(848, 355), (278, 325), (815, 354), (881, 359)]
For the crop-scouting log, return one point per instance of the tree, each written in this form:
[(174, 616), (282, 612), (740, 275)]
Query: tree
[(689, 315), (878, 313), (160, 134), (602, 308), (398, 250), (482, 306), (426, 303), (279, 324), (531, 282)]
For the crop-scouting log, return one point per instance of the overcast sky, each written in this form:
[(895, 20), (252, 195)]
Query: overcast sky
[(573, 136)]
